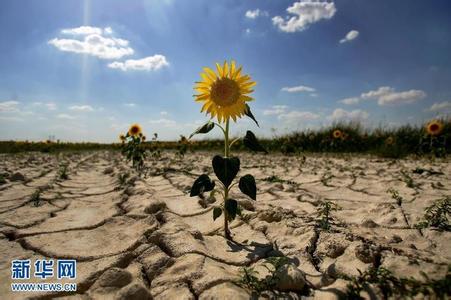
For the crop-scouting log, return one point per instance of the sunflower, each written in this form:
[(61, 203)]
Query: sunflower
[(434, 127), (390, 140), (143, 138), (122, 138), (134, 130), (224, 93), (337, 134)]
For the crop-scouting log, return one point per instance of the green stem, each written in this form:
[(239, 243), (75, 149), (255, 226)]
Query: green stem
[(226, 190)]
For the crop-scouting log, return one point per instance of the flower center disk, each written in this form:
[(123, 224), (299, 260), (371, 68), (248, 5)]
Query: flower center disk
[(225, 92)]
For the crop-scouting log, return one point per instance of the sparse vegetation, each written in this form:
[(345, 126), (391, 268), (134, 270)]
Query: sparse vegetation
[(249, 276), (323, 212), (395, 195), (398, 288), (36, 197), (436, 215), (63, 171)]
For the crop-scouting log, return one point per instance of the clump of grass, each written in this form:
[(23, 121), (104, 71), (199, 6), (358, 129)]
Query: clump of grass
[(277, 179), (409, 180), (63, 172), (323, 212), (395, 195), (2, 179), (437, 215), (122, 179), (250, 280), (398, 288), (36, 197)]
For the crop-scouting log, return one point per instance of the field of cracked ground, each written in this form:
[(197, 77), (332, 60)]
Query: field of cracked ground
[(144, 238)]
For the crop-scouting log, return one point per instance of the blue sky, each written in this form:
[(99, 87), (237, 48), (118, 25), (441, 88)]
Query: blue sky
[(85, 70)]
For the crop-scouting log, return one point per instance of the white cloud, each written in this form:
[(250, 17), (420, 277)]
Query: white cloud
[(275, 110), (297, 89), (150, 63), (9, 106), (92, 42), (305, 12), (83, 30), (406, 97), (298, 116), (65, 117), (253, 14), (351, 35), (85, 108), (382, 91), (386, 95), (441, 107), (164, 122), (340, 114), (130, 104), (350, 101), (164, 113)]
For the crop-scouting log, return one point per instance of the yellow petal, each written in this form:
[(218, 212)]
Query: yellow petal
[(211, 74), (225, 69), (232, 69), (206, 78), (219, 68)]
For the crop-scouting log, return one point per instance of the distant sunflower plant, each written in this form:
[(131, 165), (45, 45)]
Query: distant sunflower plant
[(434, 139), (224, 95), (132, 148)]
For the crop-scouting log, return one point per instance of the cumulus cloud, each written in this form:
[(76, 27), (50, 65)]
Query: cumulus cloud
[(298, 89), (441, 107), (298, 116), (304, 13), (65, 117), (351, 100), (151, 63), (9, 106), (92, 41), (85, 108), (86, 30), (253, 14), (351, 35), (275, 110), (340, 114), (386, 95), (164, 122), (129, 104)]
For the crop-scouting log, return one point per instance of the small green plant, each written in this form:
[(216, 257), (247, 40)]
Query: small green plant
[(2, 179), (249, 279), (395, 195), (133, 148), (277, 179), (182, 146), (36, 197), (409, 180), (392, 287), (437, 215), (323, 212), (122, 179), (63, 171)]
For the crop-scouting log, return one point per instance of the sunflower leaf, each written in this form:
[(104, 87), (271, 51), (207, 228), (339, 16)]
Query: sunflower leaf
[(248, 113), (217, 211), (248, 187), (202, 184), (226, 168), (251, 142), (231, 206), (207, 127)]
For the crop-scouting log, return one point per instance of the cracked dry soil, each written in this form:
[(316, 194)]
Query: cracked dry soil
[(148, 239)]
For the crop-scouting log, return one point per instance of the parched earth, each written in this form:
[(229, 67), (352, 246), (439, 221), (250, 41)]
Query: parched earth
[(146, 238)]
